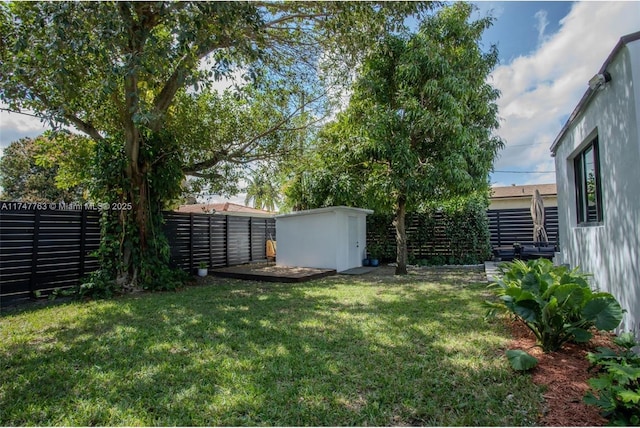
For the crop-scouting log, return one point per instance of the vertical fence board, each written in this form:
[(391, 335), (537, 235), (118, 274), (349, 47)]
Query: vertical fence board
[(34, 255), (83, 239)]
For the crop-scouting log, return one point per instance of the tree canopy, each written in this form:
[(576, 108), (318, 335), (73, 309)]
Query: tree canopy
[(418, 125), (30, 171), (121, 72)]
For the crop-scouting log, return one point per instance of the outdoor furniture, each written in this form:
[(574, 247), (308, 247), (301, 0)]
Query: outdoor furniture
[(506, 253), (525, 251), (537, 251)]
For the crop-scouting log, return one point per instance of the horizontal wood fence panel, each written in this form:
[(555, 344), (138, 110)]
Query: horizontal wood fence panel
[(42, 250), (508, 226), (426, 237)]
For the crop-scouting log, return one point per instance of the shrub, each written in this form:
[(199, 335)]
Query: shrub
[(555, 303), (618, 386)]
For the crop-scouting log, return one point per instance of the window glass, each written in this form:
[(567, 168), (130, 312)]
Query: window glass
[(588, 195), (590, 172)]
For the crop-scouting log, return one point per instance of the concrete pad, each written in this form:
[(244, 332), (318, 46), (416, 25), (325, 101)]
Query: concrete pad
[(358, 270), (491, 270)]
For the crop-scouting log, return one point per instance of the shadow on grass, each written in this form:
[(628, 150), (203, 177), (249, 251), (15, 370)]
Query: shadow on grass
[(332, 352)]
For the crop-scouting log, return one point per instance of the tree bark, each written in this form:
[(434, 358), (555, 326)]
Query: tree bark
[(401, 236)]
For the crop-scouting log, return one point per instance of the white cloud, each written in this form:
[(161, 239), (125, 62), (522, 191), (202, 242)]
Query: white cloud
[(541, 89), (14, 126), (541, 24)]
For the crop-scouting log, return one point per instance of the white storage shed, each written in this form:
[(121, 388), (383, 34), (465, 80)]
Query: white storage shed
[(326, 238)]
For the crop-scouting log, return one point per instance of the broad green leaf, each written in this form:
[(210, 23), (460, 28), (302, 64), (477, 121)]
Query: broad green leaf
[(527, 310), (531, 282), (519, 294), (626, 340), (602, 354), (625, 373), (550, 310), (520, 360), (581, 335), (570, 295), (605, 313), (600, 383), (604, 401), (629, 396)]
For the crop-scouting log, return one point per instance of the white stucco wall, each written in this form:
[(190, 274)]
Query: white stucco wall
[(321, 238), (610, 250)]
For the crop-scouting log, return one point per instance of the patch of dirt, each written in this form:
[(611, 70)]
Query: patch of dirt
[(564, 374)]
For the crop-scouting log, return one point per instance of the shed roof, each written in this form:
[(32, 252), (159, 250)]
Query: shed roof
[(326, 210), (523, 191), (588, 95)]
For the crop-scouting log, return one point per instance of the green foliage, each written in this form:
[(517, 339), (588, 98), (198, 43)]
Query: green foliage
[(225, 137), (121, 234), (418, 125), (100, 284), (24, 176), (72, 155), (262, 191), (555, 303), (467, 228), (134, 76), (521, 360), (617, 389)]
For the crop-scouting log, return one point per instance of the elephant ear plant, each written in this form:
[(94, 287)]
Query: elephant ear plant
[(617, 388), (555, 303)]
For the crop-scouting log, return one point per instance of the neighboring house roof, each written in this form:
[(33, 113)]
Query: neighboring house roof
[(224, 207), (588, 95), (525, 191)]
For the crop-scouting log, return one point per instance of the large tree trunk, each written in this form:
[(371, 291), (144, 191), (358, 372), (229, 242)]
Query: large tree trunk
[(134, 242), (401, 236), (134, 251)]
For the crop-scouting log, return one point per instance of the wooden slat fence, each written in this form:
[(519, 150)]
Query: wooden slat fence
[(426, 238), (41, 250), (515, 225), (217, 240), (45, 249)]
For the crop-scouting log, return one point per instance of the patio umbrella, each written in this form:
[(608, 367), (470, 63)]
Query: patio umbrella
[(537, 215)]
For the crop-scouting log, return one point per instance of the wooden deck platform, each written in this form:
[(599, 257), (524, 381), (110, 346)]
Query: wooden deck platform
[(269, 272)]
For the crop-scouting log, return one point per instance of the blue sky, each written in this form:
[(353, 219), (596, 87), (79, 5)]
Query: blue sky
[(519, 25), (548, 52)]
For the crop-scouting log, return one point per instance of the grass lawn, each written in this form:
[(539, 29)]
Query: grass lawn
[(366, 350)]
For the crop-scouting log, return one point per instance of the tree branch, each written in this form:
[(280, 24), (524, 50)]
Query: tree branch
[(164, 99), (237, 155), (278, 125), (209, 163), (82, 125), (272, 24), (85, 127)]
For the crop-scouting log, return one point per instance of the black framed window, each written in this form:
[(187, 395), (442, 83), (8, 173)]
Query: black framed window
[(588, 190)]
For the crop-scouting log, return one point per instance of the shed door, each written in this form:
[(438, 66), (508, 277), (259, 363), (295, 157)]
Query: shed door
[(354, 245)]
